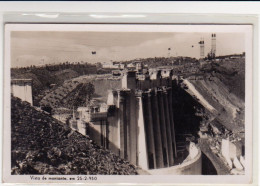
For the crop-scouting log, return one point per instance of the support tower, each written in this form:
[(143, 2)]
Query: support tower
[(213, 45), (201, 43)]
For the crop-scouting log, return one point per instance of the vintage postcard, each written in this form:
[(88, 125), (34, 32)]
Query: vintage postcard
[(111, 103)]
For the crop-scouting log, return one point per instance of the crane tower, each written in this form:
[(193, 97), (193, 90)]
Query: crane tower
[(213, 45), (201, 43)]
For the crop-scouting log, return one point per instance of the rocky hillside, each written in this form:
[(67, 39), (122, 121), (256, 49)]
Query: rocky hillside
[(80, 90), (229, 108), (231, 73), (70, 94), (223, 87), (41, 145), (220, 90), (45, 77)]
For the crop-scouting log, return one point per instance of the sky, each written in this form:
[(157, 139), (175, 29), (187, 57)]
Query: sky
[(47, 47)]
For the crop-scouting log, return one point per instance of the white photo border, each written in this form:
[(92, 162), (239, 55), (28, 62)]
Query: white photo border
[(247, 29)]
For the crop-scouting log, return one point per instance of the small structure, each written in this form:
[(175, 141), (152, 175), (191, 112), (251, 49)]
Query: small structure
[(201, 43), (22, 88)]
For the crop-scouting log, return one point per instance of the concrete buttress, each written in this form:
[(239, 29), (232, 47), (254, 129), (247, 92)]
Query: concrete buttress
[(149, 129), (123, 129), (142, 159), (157, 130), (168, 127), (133, 128), (163, 128), (127, 125), (172, 121)]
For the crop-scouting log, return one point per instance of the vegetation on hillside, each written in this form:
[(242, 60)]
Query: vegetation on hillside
[(71, 94), (231, 73), (223, 86), (164, 61), (45, 77)]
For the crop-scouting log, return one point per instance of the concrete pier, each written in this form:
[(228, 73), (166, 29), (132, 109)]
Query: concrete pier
[(116, 95), (172, 122), (168, 127), (104, 133), (149, 129), (127, 125), (142, 159), (122, 127), (133, 128), (157, 130), (113, 130), (163, 129)]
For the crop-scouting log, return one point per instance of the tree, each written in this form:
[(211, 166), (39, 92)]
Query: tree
[(89, 89)]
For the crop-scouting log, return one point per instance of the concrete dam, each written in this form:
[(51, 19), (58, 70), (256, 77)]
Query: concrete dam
[(138, 124), (142, 122), (156, 121)]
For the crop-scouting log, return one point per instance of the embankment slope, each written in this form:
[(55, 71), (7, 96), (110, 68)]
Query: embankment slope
[(223, 87)]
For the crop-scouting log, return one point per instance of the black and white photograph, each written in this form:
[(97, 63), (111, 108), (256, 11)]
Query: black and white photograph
[(88, 100)]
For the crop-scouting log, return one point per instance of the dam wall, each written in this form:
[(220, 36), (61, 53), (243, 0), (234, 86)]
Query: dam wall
[(191, 167), (140, 126)]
